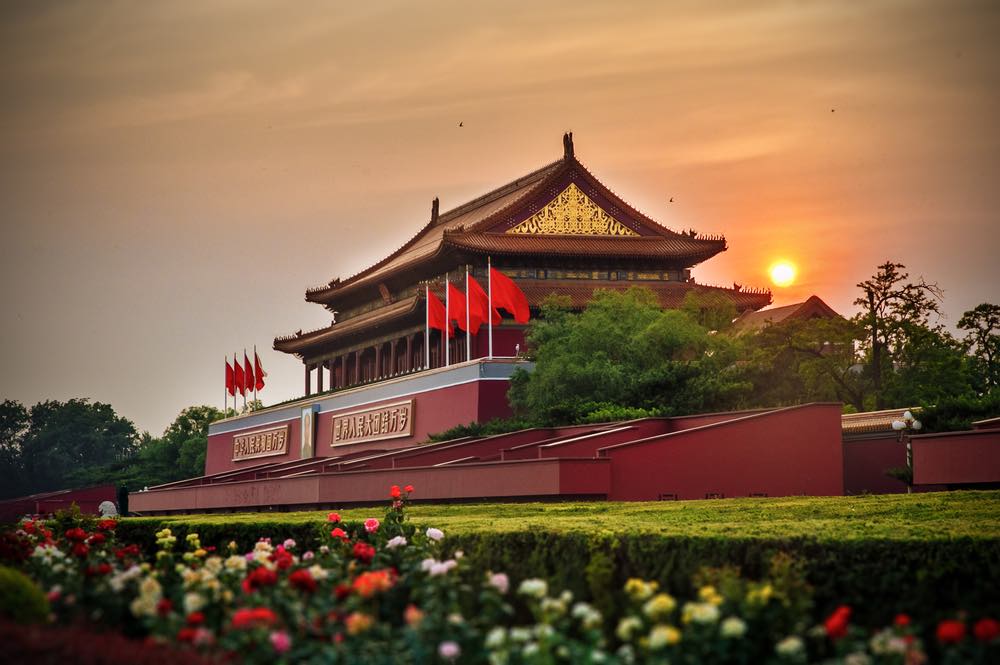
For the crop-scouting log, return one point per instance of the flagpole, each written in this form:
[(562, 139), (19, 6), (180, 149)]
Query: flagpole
[(225, 397), (468, 335), (447, 321), (489, 310), (427, 329), (255, 372)]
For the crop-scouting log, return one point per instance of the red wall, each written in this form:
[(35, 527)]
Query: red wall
[(523, 479), (957, 458), (865, 463), (786, 452), (87, 499), (434, 411)]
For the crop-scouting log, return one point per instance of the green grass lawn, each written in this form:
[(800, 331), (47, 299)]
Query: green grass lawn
[(932, 516)]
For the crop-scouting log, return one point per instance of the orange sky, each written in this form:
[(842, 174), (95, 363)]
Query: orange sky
[(174, 175)]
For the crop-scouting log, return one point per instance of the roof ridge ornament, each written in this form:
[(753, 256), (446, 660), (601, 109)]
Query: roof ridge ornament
[(435, 206), (568, 145)]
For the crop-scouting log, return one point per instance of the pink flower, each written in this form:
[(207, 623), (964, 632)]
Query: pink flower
[(280, 641), (289, 544), (371, 525), (500, 582), (449, 650), (339, 533), (333, 517)]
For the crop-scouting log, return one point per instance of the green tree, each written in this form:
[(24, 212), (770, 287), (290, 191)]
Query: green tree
[(983, 342), (67, 443), (623, 350), (799, 361), (710, 309), (892, 309), (13, 428)]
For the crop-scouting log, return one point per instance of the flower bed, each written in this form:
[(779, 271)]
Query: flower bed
[(382, 590)]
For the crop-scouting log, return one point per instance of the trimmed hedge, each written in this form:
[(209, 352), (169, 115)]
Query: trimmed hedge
[(877, 577)]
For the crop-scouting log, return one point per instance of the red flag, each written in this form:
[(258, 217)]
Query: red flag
[(258, 372), (238, 372), (507, 295), (479, 303), (456, 306), (247, 373), (436, 314), (230, 379)]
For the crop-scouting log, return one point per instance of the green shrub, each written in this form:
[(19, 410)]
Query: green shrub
[(20, 599)]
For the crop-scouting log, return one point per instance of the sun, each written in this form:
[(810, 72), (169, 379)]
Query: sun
[(782, 273)]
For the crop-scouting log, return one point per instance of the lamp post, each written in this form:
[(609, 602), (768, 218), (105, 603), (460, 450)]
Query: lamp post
[(904, 428)]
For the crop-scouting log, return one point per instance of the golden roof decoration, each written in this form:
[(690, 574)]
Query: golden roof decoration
[(572, 212)]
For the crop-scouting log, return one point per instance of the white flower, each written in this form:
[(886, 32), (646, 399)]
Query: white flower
[(520, 634), (626, 627), (318, 572), (701, 613), (397, 541), (533, 587), (733, 627), (530, 649), (587, 615), (857, 658), (456, 618), (500, 582), (790, 646), (236, 562), (193, 602), (118, 580), (544, 631), (496, 637), (442, 567), (435, 534), (427, 564)]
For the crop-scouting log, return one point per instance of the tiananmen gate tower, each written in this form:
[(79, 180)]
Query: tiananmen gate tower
[(557, 230)]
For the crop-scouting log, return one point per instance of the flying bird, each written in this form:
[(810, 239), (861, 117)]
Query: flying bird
[(671, 199), (460, 124)]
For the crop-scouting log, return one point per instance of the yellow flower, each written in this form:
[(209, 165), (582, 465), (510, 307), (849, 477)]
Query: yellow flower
[(710, 595), (357, 623), (662, 636), (638, 589), (760, 595), (200, 552), (659, 606)]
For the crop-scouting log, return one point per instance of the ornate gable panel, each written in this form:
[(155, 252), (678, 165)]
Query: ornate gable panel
[(572, 212)]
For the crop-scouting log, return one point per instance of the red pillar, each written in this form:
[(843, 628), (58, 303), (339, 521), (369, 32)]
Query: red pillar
[(308, 381), (357, 367), (319, 375), (392, 358), (409, 352)]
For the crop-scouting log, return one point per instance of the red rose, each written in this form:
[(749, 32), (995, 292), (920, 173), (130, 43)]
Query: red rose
[(281, 558), (250, 617), (164, 606), (394, 492), (986, 630), (950, 631), (339, 533), (186, 634), (364, 552), (333, 517), (195, 619), (302, 580), (836, 623), (81, 550), (104, 569), (259, 577), (76, 534), (342, 591), (408, 489), (902, 620), (107, 525), (97, 539)]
